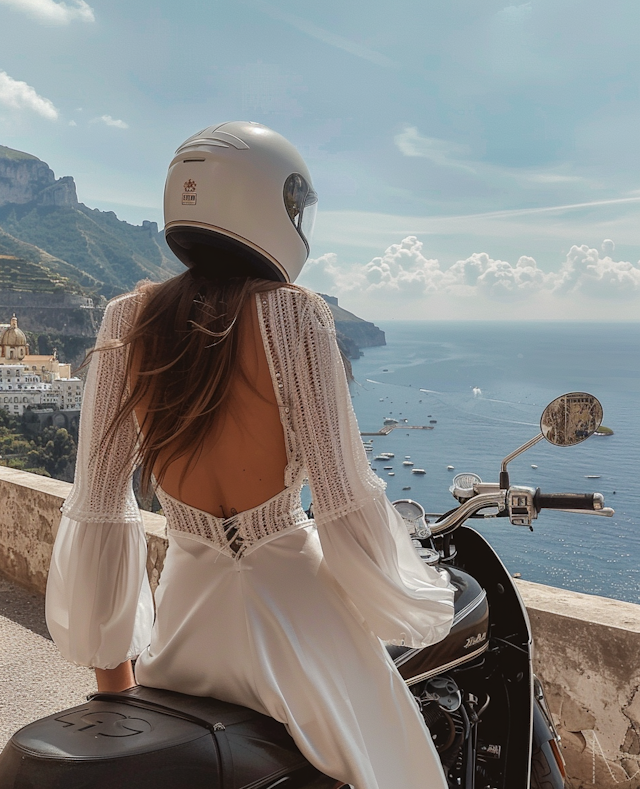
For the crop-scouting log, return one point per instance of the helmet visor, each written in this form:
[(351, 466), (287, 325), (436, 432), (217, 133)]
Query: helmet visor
[(301, 203)]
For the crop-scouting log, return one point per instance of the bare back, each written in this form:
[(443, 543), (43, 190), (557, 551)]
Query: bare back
[(243, 459)]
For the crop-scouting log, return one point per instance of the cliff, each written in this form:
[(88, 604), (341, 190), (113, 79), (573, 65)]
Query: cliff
[(353, 333), (42, 212), (26, 179)]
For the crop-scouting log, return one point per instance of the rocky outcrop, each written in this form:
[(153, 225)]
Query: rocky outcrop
[(353, 333), (26, 179)]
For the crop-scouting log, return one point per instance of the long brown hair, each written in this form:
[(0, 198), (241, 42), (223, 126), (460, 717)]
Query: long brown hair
[(182, 356)]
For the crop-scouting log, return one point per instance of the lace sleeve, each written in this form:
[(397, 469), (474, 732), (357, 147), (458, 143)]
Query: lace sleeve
[(102, 490), (364, 540), (99, 606)]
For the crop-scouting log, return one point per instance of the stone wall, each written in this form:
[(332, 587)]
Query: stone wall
[(586, 646), (29, 518)]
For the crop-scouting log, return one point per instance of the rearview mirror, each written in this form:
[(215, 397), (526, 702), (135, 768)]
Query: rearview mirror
[(571, 418)]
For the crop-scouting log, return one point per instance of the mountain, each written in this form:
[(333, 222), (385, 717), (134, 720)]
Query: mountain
[(60, 261), (353, 332), (44, 212)]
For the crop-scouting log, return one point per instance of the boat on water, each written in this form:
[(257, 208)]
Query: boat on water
[(433, 421), (450, 468), (380, 457), (418, 471), (533, 465), (407, 487), (407, 462), (387, 454), (388, 468), (407, 457), (391, 474), (592, 476), (389, 420)]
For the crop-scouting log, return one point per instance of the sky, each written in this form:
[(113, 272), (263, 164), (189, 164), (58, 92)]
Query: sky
[(473, 160)]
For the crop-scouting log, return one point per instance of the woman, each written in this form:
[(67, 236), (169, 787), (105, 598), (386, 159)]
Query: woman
[(226, 383)]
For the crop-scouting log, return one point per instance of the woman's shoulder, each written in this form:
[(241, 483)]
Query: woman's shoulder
[(120, 312), (305, 303)]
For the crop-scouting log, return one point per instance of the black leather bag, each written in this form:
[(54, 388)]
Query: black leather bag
[(146, 738)]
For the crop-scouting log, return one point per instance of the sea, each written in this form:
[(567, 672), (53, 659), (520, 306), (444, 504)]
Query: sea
[(485, 386)]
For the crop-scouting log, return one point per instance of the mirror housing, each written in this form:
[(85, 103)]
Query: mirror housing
[(571, 418)]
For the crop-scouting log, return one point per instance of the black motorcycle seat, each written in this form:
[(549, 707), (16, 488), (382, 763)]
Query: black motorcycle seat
[(148, 738)]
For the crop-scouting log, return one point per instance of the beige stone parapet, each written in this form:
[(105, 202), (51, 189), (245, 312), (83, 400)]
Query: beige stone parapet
[(586, 654), (29, 518)]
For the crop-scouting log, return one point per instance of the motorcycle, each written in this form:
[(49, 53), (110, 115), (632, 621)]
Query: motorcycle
[(476, 689)]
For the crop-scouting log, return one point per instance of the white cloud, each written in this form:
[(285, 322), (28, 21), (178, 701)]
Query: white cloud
[(72, 123), (608, 246), (443, 152), (497, 279), (404, 270), (584, 271), (18, 95), (51, 12), (446, 153), (109, 121)]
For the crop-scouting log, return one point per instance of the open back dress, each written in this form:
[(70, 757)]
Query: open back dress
[(268, 608)]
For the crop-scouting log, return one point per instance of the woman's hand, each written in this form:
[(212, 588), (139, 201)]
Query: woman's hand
[(113, 680)]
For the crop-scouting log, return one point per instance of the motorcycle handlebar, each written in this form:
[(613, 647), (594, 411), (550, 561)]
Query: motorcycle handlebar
[(567, 501)]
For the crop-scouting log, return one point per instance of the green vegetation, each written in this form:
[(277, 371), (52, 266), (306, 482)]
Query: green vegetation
[(48, 268), (604, 431), (16, 156), (21, 275), (112, 252), (51, 453)]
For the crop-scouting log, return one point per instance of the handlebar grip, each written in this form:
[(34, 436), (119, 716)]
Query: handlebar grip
[(565, 501)]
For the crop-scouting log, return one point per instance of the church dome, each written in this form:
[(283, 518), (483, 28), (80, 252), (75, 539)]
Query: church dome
[(13, 336)]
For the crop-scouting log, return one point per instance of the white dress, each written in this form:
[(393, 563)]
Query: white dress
[(267, 609)]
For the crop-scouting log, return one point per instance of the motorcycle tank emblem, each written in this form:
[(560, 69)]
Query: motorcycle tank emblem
[(107, 724), (473, 641)]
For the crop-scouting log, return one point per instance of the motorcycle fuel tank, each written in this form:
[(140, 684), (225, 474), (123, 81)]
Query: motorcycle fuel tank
[(467, 639)]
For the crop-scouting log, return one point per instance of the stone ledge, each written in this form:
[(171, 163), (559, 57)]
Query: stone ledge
[(586, 646)]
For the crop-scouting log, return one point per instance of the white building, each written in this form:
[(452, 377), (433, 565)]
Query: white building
[(27, 380), (20, 387), (68, 392), (14, 349)]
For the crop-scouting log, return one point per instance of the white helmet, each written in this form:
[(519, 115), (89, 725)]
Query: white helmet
[(242, 190)]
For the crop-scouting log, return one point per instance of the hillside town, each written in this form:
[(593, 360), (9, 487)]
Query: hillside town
[(37, 383)]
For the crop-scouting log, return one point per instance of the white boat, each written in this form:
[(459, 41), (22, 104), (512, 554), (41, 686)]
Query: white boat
[(388, 454), (391, 474), (592, 476), (450, 468), (418, 471), (380, 457), (407, 457), (407, 462), (389, 420), (533, 465)]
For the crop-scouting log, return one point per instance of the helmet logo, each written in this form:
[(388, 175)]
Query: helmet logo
[(189, 196)]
